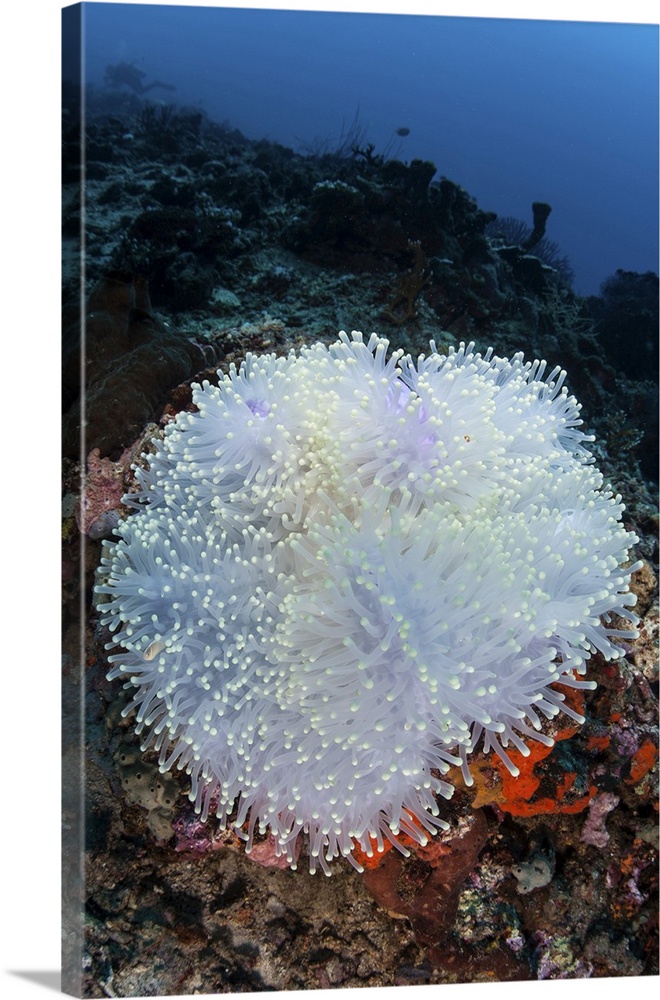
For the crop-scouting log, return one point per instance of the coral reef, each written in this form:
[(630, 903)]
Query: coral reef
[(130, 361), (402, 308), (628, 304), (193, 913), (100, 506)]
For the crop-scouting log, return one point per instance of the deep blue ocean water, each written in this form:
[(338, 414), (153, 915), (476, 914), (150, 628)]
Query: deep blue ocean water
[(514, 111)]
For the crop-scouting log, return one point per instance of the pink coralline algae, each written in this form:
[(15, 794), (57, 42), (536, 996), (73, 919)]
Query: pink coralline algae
[(100, 507), (555, 959), (266, 853), (593, 831), (193, 835), (104, 484)]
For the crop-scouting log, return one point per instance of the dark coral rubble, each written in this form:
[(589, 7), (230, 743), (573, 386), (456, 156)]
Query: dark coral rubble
[(200, 246), (131, 360)]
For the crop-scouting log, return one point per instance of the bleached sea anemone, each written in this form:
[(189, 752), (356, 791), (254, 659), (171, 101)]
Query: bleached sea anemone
[(346, 573)]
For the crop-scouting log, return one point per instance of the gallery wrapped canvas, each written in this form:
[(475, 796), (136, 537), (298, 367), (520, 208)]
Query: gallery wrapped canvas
[(359, 456)]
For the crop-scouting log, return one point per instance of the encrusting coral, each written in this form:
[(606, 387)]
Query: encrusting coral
[(345, 573)]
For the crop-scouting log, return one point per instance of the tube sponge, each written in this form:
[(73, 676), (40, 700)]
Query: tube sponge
[(347, 571)]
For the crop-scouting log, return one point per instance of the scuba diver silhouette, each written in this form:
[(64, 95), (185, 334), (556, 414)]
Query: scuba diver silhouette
[(131, 76)]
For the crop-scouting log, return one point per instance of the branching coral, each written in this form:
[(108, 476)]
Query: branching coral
[(347, 572)]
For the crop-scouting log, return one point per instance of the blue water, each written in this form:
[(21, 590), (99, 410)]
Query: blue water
[(514, 111)]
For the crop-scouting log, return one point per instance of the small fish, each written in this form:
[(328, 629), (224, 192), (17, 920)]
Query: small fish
[(153, 649), (402, 131)]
